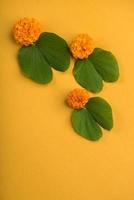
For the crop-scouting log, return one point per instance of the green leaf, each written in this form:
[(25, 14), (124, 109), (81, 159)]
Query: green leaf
[(85, 125), (34, 65), (101, 111), (106, 64), (86, 75), (55, 50)]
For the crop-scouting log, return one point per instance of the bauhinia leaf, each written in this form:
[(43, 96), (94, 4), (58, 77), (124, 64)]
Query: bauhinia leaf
[(34, 65), (84, 124), (55, 50), (100, 65), (101, 111), (106, 64), (87, 76)]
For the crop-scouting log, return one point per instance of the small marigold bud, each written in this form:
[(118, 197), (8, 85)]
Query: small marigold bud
[(78, 98), (82, 46), (26, 31)]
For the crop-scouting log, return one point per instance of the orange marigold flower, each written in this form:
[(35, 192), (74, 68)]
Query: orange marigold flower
[(78, 98), (82, 46), (26, 31)]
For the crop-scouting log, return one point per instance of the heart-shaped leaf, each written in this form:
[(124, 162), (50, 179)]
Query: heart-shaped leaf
[(106, 64), (55, 50), (34, 65), (84, 124), (100, 65), (101, 111), (87, 76)]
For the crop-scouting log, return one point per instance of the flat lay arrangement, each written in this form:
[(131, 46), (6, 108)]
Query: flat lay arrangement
[(67, 102), (41, 51)]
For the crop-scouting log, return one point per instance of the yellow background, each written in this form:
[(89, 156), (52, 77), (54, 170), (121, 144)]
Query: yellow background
[(41, 156)]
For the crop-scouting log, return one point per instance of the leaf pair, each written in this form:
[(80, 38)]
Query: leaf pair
[(100, 66), (36, 60), (87, 120)]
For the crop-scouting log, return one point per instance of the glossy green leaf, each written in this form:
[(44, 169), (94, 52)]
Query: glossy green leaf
[(34, 65), (106, 64), (101, 111), (55, 50), (85, 125), (87, 76)]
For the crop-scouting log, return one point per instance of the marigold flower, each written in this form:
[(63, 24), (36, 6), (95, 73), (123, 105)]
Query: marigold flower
[(26, 31), (77, 98), (82, 46)]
